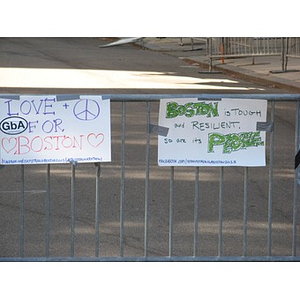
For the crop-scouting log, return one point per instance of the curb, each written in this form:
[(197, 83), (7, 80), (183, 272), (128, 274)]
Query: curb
[(251, 76)]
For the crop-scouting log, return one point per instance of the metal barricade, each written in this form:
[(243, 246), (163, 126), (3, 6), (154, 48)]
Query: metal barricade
[(235, 47), (293, 47), (292, 50), (133, 210)]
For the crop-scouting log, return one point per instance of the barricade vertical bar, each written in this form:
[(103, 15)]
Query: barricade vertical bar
[(147, 181), (271, 169), (171, 212), (210, 54), (246, 176), (196, 211), (73, 183), (252, 50), (286, 54), (97, 209), (282, 55), (296, 181), (48, 211), (221, 195), (22, 251), (122, 183)]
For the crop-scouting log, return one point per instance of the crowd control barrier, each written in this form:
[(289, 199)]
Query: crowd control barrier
[(292, 50), (131, 209), (237, 47)]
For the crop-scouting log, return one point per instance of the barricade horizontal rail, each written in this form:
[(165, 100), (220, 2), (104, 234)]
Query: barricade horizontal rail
[(133, 210), (157, 97)]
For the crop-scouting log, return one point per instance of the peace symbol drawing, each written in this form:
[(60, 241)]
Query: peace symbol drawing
[(86, 110)]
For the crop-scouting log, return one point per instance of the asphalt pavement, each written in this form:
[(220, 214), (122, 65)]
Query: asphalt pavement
[(38, 65)]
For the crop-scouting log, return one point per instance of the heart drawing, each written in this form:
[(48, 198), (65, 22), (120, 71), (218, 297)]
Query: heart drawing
[(95, 140), (9, 144)]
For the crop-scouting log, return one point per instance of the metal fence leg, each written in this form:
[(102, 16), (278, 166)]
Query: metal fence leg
[(196, 205), (122, 200), (296, 181), (171, 217), (210, 54), (22, 224), (246, 177), (48, 211), (286, 55), (271, 185), (97, 209), (146, 233), (221, 195), (283, 55), (73, 190)]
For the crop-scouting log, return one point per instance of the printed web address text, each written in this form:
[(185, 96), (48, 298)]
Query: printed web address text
[(196, 161), (49, 160)]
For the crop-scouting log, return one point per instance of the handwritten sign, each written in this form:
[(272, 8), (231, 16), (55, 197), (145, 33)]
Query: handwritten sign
[(42, 130), (212, 133)]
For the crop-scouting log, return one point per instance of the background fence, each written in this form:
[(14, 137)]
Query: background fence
[(292, 50), (234, 47), (132, 210)]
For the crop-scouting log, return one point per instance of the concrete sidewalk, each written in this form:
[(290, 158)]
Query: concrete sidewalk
[(266, 70)]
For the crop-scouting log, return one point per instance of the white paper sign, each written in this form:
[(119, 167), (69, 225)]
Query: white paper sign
[(212, 133), (42, 130)]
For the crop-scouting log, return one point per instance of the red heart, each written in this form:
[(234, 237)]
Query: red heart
[(9, 144), (95, 140)]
